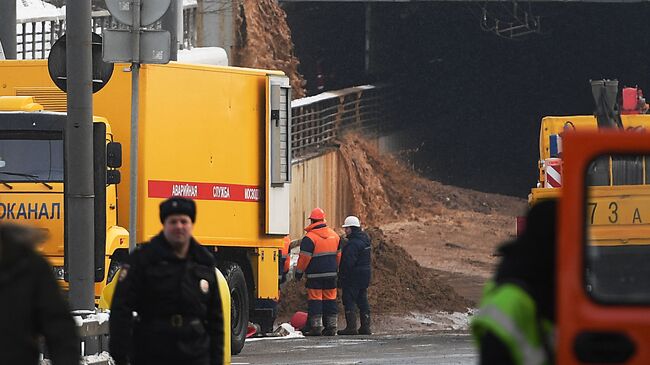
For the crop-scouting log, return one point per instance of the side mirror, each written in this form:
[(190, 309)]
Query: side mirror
[(113, 177), (114, 155)]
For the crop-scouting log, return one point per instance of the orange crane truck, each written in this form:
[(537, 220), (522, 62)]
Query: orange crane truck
[(602, 177), (218, 135)]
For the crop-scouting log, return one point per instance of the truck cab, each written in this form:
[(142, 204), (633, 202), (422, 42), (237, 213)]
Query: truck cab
[(32, 175)]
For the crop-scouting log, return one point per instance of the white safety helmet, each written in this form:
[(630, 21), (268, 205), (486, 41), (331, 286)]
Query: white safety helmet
[(351, 221)]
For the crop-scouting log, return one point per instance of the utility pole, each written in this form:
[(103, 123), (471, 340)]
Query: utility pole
[(8, 28), (216, 25), (79, 193), (172, 22), (135, 104)]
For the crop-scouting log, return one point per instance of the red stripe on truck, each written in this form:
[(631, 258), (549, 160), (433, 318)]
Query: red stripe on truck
[(203, 191)]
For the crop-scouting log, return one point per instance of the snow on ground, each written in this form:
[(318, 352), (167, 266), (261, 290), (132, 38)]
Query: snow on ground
[(287, 330), (95, 359), (442, 320), (456, 321)]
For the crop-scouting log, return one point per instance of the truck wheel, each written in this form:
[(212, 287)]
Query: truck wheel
[(238, 306)]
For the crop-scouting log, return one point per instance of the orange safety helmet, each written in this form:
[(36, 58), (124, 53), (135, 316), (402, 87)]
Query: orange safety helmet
[(317, 214)]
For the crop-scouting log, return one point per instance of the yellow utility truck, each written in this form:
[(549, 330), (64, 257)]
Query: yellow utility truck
[(618, 188), (218, 135)]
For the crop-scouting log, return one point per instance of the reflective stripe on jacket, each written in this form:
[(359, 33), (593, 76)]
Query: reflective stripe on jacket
[(509, 313), (320, 252)]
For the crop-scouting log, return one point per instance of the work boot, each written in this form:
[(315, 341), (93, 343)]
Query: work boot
[(350, 324), (315, 325), (330, 325), (365, 324)]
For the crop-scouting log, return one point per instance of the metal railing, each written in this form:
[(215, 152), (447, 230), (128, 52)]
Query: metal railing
[(35, 36), (92, 329), (317, 121)]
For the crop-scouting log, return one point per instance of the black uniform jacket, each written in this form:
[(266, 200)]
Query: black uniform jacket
[(179, 316), (31, 304), (355, 261)]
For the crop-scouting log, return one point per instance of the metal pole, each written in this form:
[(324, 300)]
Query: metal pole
[(216, 26), (170, 23), (8, 28), (79, 194), (135, 94)]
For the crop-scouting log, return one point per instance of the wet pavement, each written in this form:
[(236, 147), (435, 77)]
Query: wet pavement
[(442, 348)]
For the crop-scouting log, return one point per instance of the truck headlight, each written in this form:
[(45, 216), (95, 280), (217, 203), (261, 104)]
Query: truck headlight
[(59, 272)]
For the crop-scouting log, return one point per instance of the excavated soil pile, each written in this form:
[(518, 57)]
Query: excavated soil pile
[(434, 242), (264, 41), (400, 285), (384, 190), (452, 230)]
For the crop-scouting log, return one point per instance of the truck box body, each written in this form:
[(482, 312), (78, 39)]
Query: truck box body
[(201, 135), (218, 135)]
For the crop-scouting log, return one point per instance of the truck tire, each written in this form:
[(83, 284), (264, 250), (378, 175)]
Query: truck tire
[(239, 305)]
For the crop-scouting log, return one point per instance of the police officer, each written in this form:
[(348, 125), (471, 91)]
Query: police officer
[(320, 255), (514, 324), (171, 284), (354, 277)]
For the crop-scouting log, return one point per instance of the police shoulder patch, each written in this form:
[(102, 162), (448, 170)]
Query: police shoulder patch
[(204, 285), (124, 271)]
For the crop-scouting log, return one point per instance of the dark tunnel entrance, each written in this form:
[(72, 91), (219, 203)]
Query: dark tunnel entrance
[(474, 99)]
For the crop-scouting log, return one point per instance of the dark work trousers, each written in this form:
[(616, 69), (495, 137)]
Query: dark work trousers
[(356, 296), (321, 295)]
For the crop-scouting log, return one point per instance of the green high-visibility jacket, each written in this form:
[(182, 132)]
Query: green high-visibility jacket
[(510, 314)]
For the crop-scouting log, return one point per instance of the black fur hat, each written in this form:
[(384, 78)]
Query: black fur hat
[(177, 205)]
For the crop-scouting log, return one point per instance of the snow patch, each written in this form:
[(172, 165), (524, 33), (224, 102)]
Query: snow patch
[(30, 9), (215, 56), (329, 95), (443, 320), (84, 316), (94, 359)]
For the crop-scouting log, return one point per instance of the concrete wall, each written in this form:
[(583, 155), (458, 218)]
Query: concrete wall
[(320, 181)]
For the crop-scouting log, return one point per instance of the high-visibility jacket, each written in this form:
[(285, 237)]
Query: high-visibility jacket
[(285, 260), (509, 313), (320, 252)]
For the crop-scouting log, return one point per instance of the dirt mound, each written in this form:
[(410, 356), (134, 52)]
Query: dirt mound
[(400, 285), (384, 190), (264, 41), (452, 230)]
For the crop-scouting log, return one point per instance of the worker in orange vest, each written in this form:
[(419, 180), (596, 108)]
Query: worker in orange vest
[(285, 260), (320, 255)]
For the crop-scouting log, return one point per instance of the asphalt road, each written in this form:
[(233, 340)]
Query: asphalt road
[(438, 349)]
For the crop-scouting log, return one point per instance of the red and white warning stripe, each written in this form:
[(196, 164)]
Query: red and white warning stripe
[(204, 191), (553, 170)]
